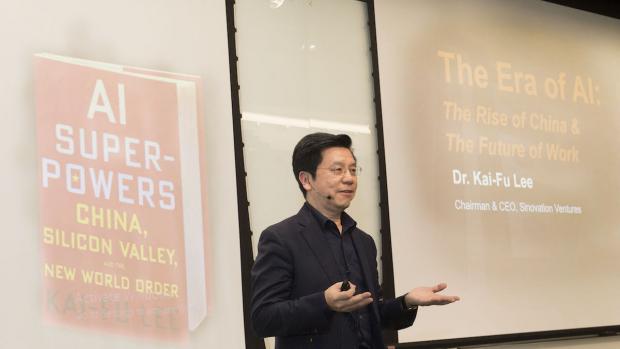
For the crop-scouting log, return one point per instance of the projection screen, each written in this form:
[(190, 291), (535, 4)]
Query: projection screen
[(501, 124)]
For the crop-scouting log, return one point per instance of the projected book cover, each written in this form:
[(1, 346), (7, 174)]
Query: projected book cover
[(122, 205)]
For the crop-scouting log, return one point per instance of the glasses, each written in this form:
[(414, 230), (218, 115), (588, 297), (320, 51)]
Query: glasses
[(339, 171)]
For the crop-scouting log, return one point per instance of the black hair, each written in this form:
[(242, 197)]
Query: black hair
[(308, 152)]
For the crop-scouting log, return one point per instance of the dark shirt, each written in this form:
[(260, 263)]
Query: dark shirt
[(346, 257)]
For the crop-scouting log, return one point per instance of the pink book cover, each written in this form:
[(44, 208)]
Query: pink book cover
[(122, 199)]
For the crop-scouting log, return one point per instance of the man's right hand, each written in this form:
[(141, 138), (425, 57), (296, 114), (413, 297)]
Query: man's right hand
[(346, 301)]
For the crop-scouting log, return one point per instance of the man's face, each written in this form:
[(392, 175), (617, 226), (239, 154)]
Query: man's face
[(334, 185)]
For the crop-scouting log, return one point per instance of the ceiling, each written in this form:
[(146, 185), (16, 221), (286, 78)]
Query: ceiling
[(608, 8)]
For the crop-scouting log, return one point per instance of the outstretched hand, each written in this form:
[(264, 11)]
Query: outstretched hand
[(429, 296), (346, 301)]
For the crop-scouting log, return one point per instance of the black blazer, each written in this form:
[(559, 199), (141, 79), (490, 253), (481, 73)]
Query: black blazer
[(293, 268)]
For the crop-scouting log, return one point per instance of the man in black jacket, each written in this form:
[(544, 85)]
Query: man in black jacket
[(315, 281)]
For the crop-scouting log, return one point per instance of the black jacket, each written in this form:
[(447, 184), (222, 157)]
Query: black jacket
[(293, 268)]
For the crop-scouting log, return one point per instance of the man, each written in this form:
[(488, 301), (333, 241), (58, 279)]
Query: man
[(305, 263)]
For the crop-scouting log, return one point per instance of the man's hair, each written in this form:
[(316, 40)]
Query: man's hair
[(308, 152)]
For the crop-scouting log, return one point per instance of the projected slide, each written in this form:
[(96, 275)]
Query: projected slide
[(121, 201), (501, 122)]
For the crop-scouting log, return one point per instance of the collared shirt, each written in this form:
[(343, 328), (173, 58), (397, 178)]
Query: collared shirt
[(345, 254)]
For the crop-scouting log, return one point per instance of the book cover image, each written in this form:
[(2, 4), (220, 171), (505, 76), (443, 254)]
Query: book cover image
[(122, 200)]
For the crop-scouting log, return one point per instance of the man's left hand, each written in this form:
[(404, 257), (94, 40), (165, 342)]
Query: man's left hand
[(429, 296)]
